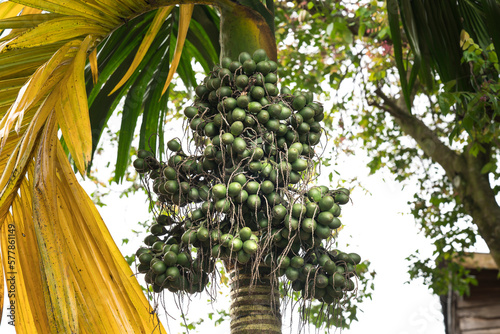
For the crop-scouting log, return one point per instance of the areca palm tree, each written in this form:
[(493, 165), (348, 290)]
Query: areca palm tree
[(64, 68), (65, 65)]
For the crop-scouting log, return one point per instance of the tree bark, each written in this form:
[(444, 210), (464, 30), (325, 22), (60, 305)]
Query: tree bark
[(463, 170), (255, 305), (254, 296)]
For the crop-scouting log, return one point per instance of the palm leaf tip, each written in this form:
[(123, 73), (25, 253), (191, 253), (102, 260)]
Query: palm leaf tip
[(186, 11), (153, 30)]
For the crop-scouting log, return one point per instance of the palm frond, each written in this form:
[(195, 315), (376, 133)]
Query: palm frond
[(492, 18), (9, 9), (393, 17), (201, 44), (156, 24), (473, 18), (433, 30), (31, 317)]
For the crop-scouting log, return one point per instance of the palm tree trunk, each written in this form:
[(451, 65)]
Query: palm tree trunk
[(254, 297), (255, 303)]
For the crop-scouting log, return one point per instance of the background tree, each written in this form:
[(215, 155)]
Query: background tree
[(445, 54), (464, 57)]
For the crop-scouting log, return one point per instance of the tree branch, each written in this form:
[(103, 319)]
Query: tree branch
[(427, 139), (463, 170)]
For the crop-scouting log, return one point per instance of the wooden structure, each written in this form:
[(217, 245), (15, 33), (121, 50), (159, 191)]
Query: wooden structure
[(478, 313)]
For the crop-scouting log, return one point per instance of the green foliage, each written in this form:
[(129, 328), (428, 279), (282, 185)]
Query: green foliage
[(478, 110), (223, 316), (192, 325), (142, 92), (443, 220), (461, 110), (330, 45)]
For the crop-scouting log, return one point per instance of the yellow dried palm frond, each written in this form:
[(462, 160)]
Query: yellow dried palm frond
[(69, 274), (18, 234)]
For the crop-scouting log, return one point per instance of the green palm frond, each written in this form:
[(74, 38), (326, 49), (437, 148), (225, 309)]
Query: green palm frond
[(48, 65), (492, 18), (142, 92), (433, 31)]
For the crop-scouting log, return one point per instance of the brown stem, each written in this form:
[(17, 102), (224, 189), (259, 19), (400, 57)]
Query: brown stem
[(427, 139), (479, 200)]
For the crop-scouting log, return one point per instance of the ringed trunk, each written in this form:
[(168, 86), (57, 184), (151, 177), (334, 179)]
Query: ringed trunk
[(255, 303)]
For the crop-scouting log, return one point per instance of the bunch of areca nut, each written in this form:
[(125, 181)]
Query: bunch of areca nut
[(243, 194)]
